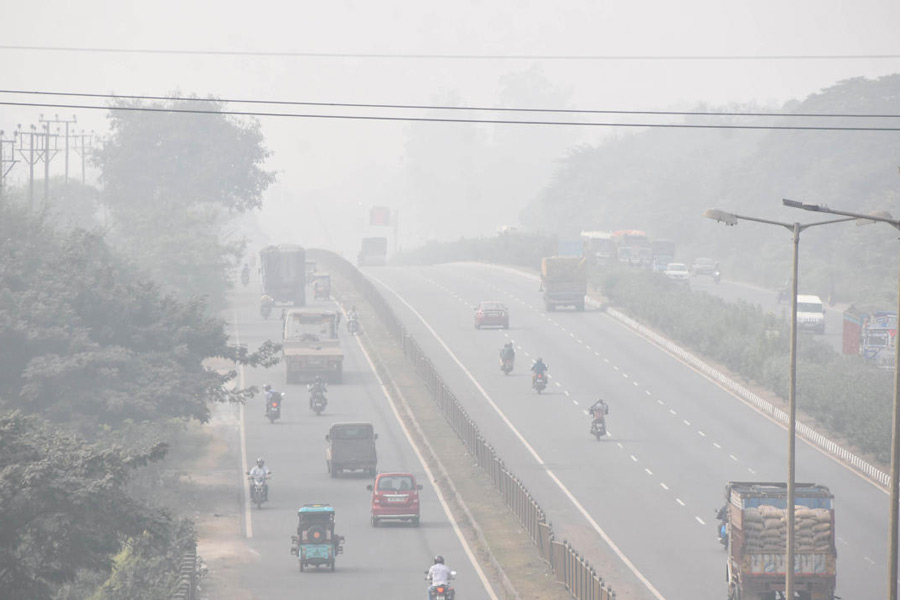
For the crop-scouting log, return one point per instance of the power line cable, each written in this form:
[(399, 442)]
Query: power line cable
[(447, 120), (457, 108), (416, 56)]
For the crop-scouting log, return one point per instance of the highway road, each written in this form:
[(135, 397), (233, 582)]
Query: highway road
[(653, 487), (387, 561)]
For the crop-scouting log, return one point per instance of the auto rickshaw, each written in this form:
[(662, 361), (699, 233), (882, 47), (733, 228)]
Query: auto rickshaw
[(321, 285), (315, 543)]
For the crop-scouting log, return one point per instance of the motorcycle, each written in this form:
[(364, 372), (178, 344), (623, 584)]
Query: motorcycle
[(245, 276), (259, 492), (265, 307), (717, 276), (598, 427), (353, 326), (317, 402), (721, 515), (441, 592), (539, 382), (506, 365), (273, 410)]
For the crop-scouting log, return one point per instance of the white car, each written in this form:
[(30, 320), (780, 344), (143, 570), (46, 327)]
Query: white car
[(678, 272)]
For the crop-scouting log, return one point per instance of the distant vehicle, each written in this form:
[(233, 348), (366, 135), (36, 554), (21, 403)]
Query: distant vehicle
[(704, 266), (633, 247), (283, 270), (563, 281), (662, 252), (351, 447), (316, 544), (678, 272), (310, 346), (599, 247), (810, 313), (373, 252), (491, 314), (395, 496)]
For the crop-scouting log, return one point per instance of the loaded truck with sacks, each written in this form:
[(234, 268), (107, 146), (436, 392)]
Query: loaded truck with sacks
[(756, 525)]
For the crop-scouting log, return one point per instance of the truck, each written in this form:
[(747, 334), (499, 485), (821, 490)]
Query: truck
[(351, 447), (283, 271), (870, 333), (563, 281), (633, 247), (755, 521), (310, 346), (372, 252), (599, 247)]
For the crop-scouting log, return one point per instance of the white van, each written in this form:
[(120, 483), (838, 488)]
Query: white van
[(810, 313)]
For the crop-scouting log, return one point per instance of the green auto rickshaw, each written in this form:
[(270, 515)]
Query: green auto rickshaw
[(316, 544)]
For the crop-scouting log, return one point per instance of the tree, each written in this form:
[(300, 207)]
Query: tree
[(64, 507), (84, 341), (172, 181)]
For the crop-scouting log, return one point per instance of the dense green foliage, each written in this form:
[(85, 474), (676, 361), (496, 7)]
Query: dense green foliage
[(99, 370), (851, 397), (661, 181), (172, 183)]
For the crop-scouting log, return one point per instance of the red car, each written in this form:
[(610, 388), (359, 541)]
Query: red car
[(395, 496), (491, 314)]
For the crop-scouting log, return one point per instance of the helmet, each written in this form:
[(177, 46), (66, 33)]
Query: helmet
[(267, 387), (438, 559), (260, 461), (318, 379), (540, 359)]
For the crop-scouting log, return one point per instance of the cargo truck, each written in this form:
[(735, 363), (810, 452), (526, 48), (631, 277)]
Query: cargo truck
[(310, 346), (283, 272), (563, 281), (756, 524), (373, 252)]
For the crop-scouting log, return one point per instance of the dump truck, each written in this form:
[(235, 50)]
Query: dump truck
[(756, 524), (563, 281), (283, 271), (373, 252), (310, 346)]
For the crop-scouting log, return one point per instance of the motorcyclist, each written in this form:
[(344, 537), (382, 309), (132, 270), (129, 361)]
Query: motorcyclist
[(538, 368), (722, 516), (317, 387), (438, 574), (271, 395), (599, 410), (261, 471), (507, 353)]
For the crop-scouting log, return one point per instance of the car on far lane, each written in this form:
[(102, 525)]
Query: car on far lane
[(491, 313), (704, 266), (678, 272)]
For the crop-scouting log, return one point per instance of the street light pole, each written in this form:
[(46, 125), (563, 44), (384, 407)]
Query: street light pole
[(882, 217), (795, 228)]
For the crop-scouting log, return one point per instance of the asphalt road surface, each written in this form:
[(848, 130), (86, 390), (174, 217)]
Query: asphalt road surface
[(383, 562), (653, 486)]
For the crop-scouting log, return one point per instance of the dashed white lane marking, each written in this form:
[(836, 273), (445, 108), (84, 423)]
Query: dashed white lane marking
[(598, 354), (619, 444), (648, 471), (752, 472), (664, 486), (648, 392), (868, 560), (678, 500), (634, 382), (672, 411), (699, 520), (701, 433), (588, 347), (733, 457), (686, 422), (660, 402), (566, 392), (717, 445), (615, 368), (843, 541), (625, 375), (634, 458), (558, 384)]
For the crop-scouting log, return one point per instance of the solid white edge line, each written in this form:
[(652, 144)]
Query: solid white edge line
[(528, 446), (431, 477), (248, 523)]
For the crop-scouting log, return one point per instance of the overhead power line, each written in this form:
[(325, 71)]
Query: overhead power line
[(442, 120), (436, 56), (452, 108)]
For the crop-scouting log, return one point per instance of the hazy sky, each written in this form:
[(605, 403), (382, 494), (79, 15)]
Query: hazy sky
[(340, 165)]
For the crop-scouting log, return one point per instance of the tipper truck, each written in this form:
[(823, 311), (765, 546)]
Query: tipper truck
[(310, 346), (563, 281), (756, 518)]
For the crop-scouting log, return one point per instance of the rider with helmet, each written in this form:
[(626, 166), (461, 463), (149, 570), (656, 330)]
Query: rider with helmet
[(317, 387), (438, 574), (599, 410), (261, 470), (508, 352), (537, 369), (270, 396)]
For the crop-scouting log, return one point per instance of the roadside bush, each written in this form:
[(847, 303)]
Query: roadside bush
[(852, 398)]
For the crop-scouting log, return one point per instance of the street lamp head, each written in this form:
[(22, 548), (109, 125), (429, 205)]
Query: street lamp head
[(721, 216)]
